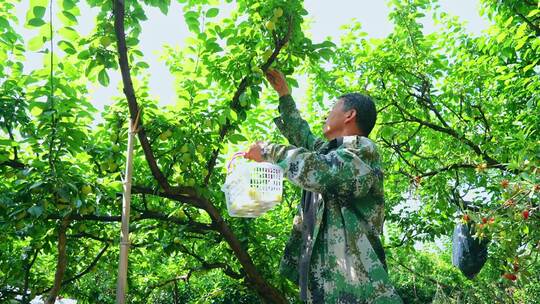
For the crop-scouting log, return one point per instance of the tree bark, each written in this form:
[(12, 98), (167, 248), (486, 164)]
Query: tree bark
[(61, 262)]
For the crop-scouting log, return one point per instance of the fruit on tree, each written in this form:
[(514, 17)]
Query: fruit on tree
[(165, 135), (184, 148), (525, 214), (190, 182), (105, 41), (466, 218), (270, 25), (86, 189), (186, 157), (278, 12)]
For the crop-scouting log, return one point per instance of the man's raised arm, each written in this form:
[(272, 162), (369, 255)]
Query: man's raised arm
[(290, 123)]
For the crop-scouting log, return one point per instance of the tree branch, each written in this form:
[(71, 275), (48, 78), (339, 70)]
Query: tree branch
[(235, 103), (430, 279), (61, 263), (535, 27), (27, 277), (490, 161), (84, 272), (191, 226), (130, 95), (13, 164), (181, 194)]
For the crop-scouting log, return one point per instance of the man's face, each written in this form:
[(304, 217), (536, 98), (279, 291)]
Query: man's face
[(335, 121)]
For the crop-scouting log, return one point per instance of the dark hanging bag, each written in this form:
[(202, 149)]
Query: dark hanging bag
[(469, 254)]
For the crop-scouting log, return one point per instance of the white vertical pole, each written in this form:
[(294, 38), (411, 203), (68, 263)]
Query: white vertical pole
[(122, 287)]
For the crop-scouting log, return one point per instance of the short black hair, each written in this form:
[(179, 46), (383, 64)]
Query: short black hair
[(366, 113)]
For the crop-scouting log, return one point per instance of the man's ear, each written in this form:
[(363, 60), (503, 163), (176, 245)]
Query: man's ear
[(350, 115)]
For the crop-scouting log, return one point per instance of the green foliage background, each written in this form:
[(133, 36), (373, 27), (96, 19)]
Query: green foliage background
[(458, 129)]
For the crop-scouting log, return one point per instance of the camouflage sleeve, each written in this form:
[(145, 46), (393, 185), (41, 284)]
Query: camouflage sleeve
[(340, 171), (294, 127)]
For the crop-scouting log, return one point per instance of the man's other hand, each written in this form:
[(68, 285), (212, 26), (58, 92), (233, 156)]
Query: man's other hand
[(255, 152), (278, 82)]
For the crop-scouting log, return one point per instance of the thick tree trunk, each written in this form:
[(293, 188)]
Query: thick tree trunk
[(61, 262)]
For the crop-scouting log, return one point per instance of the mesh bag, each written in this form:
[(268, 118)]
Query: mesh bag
[(251, 189)]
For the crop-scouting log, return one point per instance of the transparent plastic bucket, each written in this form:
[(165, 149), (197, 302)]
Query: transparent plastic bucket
[(251, 189)]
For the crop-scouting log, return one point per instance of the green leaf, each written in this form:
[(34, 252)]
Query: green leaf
[(213, 12), (36, 43), (103, 78), (5, 142), (70, 19), (3, 22), (39, 11), (326, 54), (142, 65), (235, 138), (36, 210), (36, 22), (84, 54), (292, 82), (132, 41), (67, 47), (233, 115), (163, 6), (68, 4), (36, 185), (68, 33)]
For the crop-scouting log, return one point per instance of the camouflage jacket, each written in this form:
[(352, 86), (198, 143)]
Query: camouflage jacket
[(347, 260)]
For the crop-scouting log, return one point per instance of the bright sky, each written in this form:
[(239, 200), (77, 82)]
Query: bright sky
[(326, 19)]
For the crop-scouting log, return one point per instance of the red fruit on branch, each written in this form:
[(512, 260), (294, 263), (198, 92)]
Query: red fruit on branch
[(504, 183), (484, 220), (492, 220), (466, 218), (525, 214), (510, 276)]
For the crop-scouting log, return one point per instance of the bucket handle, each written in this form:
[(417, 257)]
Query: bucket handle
[(235, 156)]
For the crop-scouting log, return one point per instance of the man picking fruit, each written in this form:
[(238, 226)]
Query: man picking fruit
[(334, 252)]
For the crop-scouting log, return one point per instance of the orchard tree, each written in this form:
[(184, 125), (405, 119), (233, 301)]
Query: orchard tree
[(459, 137), (456, 129)]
